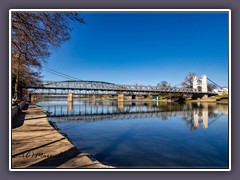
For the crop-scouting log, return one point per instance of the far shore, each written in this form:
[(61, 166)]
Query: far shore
[(220, 99)]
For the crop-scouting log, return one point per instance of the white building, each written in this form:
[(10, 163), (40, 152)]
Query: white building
[(221, 91)]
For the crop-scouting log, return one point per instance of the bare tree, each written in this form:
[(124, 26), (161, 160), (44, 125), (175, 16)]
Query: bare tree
[(163, 84), (35, 35), (188, 81), (211, 86)]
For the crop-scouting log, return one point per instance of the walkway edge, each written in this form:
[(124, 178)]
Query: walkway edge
[(38, 144)]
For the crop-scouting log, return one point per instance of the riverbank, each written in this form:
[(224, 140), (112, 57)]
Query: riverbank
[(208, 101), (220, 99), (37, 144)]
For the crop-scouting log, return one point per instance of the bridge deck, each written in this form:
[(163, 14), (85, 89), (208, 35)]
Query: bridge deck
[(79, 87)]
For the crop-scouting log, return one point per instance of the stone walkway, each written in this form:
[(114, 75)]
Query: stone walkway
[(36, 144)]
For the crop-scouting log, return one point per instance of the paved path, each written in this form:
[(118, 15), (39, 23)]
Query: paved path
[(36, 144)]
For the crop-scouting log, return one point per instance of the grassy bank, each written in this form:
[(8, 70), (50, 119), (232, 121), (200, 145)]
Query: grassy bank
[(216, 99)]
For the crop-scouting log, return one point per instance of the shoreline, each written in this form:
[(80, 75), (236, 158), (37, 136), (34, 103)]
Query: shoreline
[(38, 144), (53, 124)]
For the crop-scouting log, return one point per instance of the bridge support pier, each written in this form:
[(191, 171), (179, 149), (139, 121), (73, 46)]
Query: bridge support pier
[(70, 97), (120, 97), (120, 105)]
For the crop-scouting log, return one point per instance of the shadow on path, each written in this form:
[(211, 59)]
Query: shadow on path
[(14, 155), (29, 119), (57, 160)]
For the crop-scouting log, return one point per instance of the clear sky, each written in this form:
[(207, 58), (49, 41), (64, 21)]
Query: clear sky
[(145, 48)]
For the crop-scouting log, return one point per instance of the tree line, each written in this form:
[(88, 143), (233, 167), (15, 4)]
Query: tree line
[(34, 36)]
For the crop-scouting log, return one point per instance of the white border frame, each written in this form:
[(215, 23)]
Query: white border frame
[(124, 10)]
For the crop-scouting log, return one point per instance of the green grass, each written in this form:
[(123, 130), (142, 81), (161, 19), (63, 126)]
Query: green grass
[(222, 97), (223, 100)]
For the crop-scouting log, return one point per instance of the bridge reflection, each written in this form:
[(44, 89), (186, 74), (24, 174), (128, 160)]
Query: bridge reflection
[(194, 114)]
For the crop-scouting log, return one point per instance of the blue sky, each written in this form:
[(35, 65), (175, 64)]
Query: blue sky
[(145, 48)]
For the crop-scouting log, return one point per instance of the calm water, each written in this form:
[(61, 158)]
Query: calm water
[(146, 134)]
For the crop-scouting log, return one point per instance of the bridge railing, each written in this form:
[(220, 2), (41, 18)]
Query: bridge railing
[(103, 86)]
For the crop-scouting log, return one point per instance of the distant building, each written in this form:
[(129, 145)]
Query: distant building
[(221, 91)]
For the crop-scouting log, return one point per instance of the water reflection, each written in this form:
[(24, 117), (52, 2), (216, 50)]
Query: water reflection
[(146, 134), (120, 105), (70, 106), (194, 114), (200, 117)]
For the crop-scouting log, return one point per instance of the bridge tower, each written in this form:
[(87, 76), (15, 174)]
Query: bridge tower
[(200, 83)]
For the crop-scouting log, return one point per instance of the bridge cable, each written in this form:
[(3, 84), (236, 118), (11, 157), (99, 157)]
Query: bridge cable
[(214, 83), (60, 74)]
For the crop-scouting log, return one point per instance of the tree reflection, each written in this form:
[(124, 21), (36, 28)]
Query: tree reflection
[(194, 114)]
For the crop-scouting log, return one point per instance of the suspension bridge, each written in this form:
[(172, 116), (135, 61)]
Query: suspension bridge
[(104, 88), (75, 86)]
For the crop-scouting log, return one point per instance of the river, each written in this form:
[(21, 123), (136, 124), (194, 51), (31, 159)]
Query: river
[(138, 134)]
